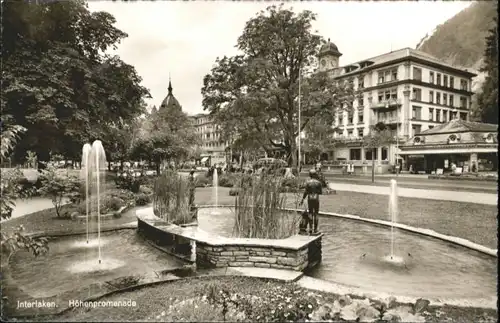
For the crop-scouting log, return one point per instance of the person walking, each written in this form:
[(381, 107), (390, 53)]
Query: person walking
[(313, 189)]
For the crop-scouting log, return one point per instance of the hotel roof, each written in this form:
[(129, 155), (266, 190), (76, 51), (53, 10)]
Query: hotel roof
[(399, 55), (457, 126)]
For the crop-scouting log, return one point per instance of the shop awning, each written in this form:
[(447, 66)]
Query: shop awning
[(204, 159), (430, 151)]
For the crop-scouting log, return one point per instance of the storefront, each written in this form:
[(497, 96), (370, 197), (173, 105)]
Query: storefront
[(458, 146)]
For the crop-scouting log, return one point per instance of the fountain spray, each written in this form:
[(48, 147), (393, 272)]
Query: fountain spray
[(85, 172), (98, 156), (215, 184), (393, 210)]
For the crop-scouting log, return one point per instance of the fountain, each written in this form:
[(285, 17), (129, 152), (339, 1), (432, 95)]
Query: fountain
[(85, 174), (93, 163), (215, 185), (97, 164), (393, 212)]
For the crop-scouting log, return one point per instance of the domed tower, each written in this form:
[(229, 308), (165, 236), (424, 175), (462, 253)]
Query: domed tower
[(328, 56), (170, 103)]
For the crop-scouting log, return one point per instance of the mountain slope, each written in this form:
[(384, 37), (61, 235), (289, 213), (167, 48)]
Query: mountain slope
[(460, 40)]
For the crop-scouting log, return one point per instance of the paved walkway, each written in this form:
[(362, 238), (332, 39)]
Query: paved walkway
[(469, 197), (28, 206)]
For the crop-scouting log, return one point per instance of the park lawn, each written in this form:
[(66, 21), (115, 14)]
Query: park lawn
[(171, 302), (474, 222), (46, 221)]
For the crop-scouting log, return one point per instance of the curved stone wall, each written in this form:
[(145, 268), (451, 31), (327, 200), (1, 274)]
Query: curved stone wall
[(297, 252)]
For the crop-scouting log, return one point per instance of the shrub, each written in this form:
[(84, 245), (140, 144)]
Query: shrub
[(128, 181), (259, 213), (202, 180), (229, 180), (108, 204), (171, 198), (146, 190), (58, 186), (142, 199)]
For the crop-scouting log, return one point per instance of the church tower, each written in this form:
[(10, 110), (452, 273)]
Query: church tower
[(170, 102)]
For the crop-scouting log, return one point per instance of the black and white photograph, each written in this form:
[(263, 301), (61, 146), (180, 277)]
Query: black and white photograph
[(249, 161)]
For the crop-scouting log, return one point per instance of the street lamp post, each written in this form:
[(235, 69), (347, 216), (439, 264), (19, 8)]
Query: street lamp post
[(300, 137)]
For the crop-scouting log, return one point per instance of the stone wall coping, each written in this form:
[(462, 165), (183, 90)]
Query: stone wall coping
[(295, 242)]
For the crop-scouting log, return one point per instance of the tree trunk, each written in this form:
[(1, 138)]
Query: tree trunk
[(373, 165)]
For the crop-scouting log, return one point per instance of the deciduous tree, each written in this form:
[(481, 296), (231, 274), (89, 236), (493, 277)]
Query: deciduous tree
[(378, 136), (58, 82), (256, 92)]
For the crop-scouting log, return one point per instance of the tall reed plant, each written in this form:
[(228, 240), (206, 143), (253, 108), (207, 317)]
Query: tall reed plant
[(259, 210), (171, 198)]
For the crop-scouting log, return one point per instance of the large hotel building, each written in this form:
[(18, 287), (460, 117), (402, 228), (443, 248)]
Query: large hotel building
[(407, 90), (410, 92)]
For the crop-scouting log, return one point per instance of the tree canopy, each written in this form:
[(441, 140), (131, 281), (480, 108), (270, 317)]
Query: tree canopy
[(488, 97), (165, 135), (255, 93), (58, 81)]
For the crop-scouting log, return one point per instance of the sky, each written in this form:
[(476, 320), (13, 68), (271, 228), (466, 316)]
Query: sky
[(183, 38)]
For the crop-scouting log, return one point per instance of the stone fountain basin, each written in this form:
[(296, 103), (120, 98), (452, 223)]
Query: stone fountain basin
[(355, 254)]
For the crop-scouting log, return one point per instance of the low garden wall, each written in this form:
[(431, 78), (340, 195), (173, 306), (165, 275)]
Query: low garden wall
[(298, 252)]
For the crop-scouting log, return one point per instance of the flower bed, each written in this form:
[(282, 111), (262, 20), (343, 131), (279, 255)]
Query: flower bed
[(247, 299)]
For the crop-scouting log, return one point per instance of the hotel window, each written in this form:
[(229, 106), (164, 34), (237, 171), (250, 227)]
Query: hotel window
[(438, 79), (438, 115), (417, 74), (445, 99), (451, 100), (416, 113), (417, 94), (350, 118), (381, 78), (361, 102), (463, 102), (349, 133), (361, 82), (360, 132), (453, 115), (431, 77), (452, 82), (445, 80), (394, 74), (360, 116), (416, 129), (463, 85), (431, 114), (438, 98), (445, 115), (388, 94), (431, 96), (355, 154), (463, 116)]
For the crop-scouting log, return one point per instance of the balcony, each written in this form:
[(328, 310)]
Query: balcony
[(386, 120), (386, 104)]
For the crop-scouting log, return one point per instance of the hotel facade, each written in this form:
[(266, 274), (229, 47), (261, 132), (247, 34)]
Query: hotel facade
[(407, 90), (213, 150)]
